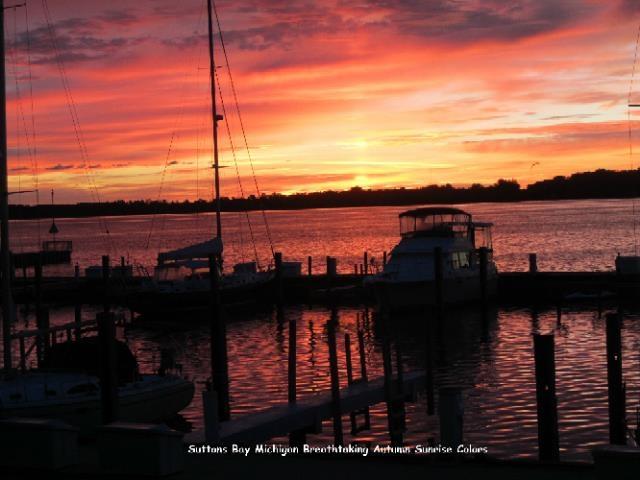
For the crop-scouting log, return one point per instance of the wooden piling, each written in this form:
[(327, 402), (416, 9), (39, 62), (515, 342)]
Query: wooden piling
[(355, 269), (548, 442), (438, 270), (384, 258), (365, 263), (429, 371), (277, 257), (336, 409), (292, 362), (309, 269), (395, 433), (43, 340), (218, 344), (451, 414), (364, 378), (347, 356), (37, 273), (533, 263), (108, 367), (105, 279), (76, 271), (399, 406), (483, 256), (558, 313), (297, 437), (77, 317), (23, 355), (616, 394), (363, 358)]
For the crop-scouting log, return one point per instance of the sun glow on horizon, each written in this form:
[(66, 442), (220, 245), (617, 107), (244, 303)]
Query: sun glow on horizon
[(333, 95)]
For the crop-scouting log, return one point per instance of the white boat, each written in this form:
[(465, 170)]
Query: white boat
[(408, 278), (75, 397)]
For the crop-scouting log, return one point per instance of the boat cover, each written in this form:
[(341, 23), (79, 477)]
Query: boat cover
[(198, 250)]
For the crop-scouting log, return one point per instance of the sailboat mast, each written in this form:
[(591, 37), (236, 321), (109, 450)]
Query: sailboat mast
[(5, 254), (215, 117)]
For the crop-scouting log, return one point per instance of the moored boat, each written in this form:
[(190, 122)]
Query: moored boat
[(408, 278)]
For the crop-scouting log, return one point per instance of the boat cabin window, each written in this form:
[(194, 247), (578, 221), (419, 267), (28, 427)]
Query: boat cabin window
[(171, 273), (461, 260), (436, 225), (482, 236), (84, 388)]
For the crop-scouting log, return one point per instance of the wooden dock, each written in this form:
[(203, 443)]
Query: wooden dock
[(513, 287), (307, 413)]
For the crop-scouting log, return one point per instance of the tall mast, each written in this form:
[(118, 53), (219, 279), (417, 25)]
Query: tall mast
[(215, 117), (5, 254)]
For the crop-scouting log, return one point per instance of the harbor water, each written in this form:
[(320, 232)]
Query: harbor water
[(492, 360)]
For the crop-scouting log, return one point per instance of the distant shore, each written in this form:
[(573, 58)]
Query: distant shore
[(601, 184)]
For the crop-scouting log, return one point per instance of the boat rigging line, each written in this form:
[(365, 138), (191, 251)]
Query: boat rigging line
[(174, 134), (244, 135), (630, 106), (75, 120), (237, 168), (30, 137)]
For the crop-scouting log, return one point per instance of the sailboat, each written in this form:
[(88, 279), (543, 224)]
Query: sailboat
[(69, 389), (181, 282)]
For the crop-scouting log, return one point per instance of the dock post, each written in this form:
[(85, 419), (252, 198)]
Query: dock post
[(292, 362), (108, 367), (336, 409), (438, 270), (394, 425), (429, 369), (211, 423), (37, 273), (218, 344), (105, 279), (77, 316), (355, 269), (548, 444), (365, 263), (347, 357), (384, 258), (297, 437), (451, 414), (277, 257), (23, 356), (617, 421), (76, 271), (483, 254), (309, 269), (43, 340), (558, 313), (363, 377), (533, 263)]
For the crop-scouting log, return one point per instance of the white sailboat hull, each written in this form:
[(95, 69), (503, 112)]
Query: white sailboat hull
[(152, 398)]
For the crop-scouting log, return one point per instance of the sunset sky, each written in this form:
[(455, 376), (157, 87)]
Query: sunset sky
[(334, 94)]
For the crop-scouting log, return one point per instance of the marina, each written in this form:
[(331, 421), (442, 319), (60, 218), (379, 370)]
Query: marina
[(448, 337)]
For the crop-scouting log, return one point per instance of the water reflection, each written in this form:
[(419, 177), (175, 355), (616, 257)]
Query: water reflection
[(489, 354)]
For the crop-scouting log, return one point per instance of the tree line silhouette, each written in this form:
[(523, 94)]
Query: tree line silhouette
[(598, 184)]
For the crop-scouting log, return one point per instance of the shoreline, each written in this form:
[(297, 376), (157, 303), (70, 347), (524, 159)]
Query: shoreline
[(62, 211)]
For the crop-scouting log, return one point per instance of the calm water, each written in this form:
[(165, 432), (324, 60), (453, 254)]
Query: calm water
[(492, 361), (567, 235)]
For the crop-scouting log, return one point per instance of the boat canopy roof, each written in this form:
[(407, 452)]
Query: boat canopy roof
[(439, 222), (434, 211), (198, 250)]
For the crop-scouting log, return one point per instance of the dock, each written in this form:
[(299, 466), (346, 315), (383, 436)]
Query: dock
[(307, 413), (513, 287)]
